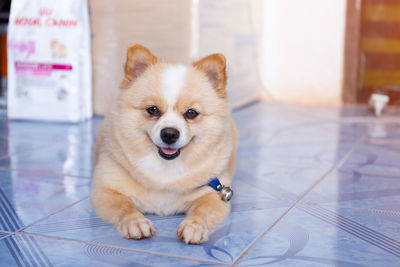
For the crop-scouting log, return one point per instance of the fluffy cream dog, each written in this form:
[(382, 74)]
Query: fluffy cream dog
[(169, 132)]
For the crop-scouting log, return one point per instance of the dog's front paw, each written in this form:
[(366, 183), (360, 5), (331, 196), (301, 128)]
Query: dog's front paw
[(136, 227), (192, 231)]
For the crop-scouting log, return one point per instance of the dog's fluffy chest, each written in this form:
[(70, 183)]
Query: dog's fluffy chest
[(162, 202)]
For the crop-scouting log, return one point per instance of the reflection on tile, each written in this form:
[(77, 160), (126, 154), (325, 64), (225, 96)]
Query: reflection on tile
[(26, 198), (288, 184), (58, 148), (69, 158)]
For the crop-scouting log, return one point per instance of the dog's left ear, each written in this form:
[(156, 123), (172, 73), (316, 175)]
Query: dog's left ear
[(138, 59), (214, 66)]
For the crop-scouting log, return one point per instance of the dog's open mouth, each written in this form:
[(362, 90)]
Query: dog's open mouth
[(169, 153)]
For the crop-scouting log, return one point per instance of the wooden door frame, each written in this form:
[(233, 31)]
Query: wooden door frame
[(351, 51)]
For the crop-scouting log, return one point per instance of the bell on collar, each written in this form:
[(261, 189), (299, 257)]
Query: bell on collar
[(226, 193)]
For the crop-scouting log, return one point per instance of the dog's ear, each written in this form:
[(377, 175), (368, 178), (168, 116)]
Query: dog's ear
[(138, 59), (214, 66)]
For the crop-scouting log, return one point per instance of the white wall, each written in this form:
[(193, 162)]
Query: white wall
[(229, 27), (302, 50)]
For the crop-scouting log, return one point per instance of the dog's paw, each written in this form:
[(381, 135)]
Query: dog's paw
[(136, 228), (192, 232)]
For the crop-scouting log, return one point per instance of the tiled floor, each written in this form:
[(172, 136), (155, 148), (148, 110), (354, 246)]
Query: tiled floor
[(314, 186)]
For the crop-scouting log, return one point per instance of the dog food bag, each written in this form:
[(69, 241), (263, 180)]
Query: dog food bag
[(49, 60)]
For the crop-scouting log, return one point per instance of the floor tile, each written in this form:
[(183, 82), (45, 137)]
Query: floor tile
[(365, 189), (368, 178), (381, 159), (26, 250), (385, 131), (225, 244), (288, 181), (312, 236), (26, 198), (296, 142), (58, 148), (352, 189), (252, 211), (70, 157), (277, 182), (351, 218), (47, 131)]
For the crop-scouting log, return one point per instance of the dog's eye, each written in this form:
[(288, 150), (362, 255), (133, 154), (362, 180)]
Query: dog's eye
[(154, 111), (190, 114)]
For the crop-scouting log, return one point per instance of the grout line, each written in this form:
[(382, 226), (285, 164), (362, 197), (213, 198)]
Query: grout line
[(7, 234), (382, 141), (127, 249), (74, 176), (322, 204), (380, 211), (54, 213), (26, 150), (361, 118), (338, 165), (249, 104), (45, 173), (364, 119)]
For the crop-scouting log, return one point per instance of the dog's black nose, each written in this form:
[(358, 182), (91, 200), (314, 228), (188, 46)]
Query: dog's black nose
[(169, 135)]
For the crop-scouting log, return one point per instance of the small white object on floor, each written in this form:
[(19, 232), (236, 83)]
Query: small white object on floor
[(378, 102)]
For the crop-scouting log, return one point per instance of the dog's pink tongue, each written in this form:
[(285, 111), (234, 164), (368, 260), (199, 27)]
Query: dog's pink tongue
[(169, 151)]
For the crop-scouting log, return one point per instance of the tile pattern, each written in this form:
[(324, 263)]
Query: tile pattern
[(314, 186)]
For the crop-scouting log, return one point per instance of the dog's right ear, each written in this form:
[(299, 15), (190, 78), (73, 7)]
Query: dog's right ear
[(138, 59)]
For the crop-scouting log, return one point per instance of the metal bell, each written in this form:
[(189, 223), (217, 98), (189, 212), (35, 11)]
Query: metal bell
[(226, 193)]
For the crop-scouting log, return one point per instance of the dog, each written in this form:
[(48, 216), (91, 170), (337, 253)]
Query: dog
[(58, 50), (169, 133)]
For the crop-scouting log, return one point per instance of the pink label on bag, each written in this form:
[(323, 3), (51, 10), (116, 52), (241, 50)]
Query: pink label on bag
[(39, 69)]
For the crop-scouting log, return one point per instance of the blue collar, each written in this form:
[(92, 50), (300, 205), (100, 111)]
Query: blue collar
[(225, 192), (216, 184)]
